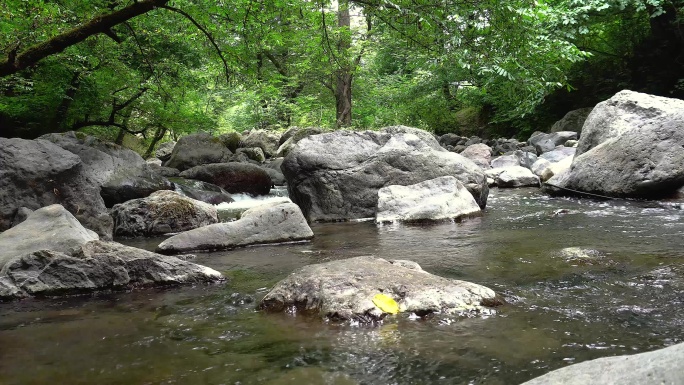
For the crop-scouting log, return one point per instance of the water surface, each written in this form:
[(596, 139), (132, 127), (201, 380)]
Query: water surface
[(560, 310)]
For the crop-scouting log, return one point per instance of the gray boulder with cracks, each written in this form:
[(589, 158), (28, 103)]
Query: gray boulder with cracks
[(344, 289)]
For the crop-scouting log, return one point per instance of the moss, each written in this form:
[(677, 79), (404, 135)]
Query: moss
[(173, 207)]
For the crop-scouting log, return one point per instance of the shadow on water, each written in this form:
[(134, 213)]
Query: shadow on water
[(560, 310)]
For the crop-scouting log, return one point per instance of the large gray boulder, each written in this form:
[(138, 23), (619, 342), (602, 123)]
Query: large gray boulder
[(267, 140), (51, 227), (38, 173), (336, 176), (632, 146), (161, 213), (197, 149), (344, 289), (480, 154), (233, 177), (559, 153), (120, 173), (269, 223), (293, 136), (435, 199), (165, 150), (572, 121), (50, 253), (663, 366)]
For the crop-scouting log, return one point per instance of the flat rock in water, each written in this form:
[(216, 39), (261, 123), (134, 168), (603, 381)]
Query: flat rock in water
[(269, 223), (96, 265), (663, 366), (345, 289), (161, 213), (48, 228), (435, 199)]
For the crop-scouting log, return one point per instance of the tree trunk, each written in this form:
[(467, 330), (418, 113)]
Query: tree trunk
[(158, 135), (68, 98), (343, 90), (120, 137)]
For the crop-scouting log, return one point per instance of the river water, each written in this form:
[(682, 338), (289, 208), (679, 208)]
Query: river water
[(627, 298)]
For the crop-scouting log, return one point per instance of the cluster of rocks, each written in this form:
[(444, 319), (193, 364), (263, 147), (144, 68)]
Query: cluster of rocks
[(510, 163), (111, 190)]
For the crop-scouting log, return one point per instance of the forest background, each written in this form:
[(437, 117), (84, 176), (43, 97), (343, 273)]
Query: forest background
[(142, 72)]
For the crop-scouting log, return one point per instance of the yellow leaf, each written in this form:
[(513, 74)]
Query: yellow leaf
[(386, 303)]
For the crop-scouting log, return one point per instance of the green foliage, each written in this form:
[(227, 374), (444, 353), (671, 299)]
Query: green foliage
[(445, 66)]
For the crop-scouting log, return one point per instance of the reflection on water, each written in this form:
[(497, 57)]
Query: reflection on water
[(560, 312)]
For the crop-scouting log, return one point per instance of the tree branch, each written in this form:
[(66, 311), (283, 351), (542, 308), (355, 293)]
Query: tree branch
[(206, 33), (57, 44)]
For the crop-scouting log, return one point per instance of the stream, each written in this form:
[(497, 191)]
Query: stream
[(627, 298)]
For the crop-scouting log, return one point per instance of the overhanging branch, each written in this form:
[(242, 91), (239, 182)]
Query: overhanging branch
[(99, 24)]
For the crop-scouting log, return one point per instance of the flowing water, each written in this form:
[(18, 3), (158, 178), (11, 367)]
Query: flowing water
[(627, 298)]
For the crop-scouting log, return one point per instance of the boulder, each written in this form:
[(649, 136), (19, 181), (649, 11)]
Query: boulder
[(52, 254), (435, 199), (344, 289), (480, 154), (96, 265), (505, 161), (547, 142), (293, 136), (632, 146), (337, 175), (197, 149), (231, 140), (154, 162), (663, 366), (48, 228), (164, 151), (125, 185), (525, 159), (38, 173), (514, 176), (233, 177), (202, 191), (556, 168), (253, 153), (572, 121), (264, 139), (268, 223), (161, 213), (539, 166), (120, 173), (559, 153), (451, 140)]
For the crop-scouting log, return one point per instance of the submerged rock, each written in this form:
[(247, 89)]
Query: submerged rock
[(336, 176), (52, 254), (269, 223), (161, 213), (345, 289), (663, 366), (434, 199)]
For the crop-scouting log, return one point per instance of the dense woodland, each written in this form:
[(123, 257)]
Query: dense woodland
[(146, 71)]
